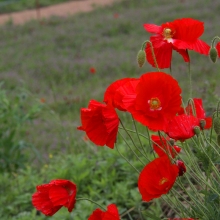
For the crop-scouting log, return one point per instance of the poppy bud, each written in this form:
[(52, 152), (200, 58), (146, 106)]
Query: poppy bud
[(216, 124), (202, 123), (213, 54), (181, 166), (172, 142), (141, 58), (218, 139), (196, 129)]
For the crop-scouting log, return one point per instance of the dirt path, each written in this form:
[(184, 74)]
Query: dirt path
[(62, 10)]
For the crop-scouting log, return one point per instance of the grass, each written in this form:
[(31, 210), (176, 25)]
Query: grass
[(7, 6), (52, 61)]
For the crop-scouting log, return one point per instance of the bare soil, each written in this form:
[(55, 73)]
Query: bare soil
[(62, 10)]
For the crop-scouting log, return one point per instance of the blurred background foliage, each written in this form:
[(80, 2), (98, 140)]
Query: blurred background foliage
[(46, 79)]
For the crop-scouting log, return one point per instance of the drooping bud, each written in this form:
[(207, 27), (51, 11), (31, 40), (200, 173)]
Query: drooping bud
[(181, 166), (172, 142), (141, 58), (213, 54), (196, 129), (202, 123), (218, 139), (216, 125)]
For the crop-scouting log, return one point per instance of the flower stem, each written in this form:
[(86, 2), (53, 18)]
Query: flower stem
[(78, 199)]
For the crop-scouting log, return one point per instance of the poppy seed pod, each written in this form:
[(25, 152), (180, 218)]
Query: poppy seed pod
[(141, 58), (216, 124), (197, 130), (213, 54)]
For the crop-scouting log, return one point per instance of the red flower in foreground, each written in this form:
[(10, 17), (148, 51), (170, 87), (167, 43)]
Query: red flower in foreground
[(179, 35), (199, 112), (218, 48), (92, 70), (110, 214), (162, 147), (50, 197), (157, 178), (157, 100), (118, 90), (181, 127), (100, 122)]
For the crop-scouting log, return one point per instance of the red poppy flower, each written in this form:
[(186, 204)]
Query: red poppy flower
[(199, 112), (157, 178), (181, 127), (181, 166), (50, 197), (110, 214), (162, 147), (179, 35), (100, 122), (118, 90), (157, 100), (92, 70), (218, 48)]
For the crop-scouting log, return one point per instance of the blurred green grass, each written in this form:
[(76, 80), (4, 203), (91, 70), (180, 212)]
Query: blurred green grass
[(7, 6), (53, 61)]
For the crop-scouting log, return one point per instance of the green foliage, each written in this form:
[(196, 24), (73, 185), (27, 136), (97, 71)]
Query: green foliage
[(100, 175), (15, 113)]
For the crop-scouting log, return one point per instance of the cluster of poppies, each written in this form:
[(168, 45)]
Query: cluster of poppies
[(155, 101)]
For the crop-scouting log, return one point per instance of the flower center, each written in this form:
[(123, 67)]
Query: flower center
[(163, 180), (155, 104), (168, 33)]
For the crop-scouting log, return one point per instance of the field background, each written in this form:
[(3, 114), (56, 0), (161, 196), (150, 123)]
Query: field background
[(45, 76)]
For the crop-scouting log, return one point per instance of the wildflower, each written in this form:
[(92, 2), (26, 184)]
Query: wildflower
[(116, 15), (110, 214), (157, 178), (157, 100), (218, 48), (181, 127), (161, 147), (180, 35), (181, 166), (100, 122), (199, 112), (42, 100), (118, 90), (50, 197), (92, 70)]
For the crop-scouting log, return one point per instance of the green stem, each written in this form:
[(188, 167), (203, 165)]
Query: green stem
[(138, 136), (190, 81), (132, 140), (78, 199), (131, 148), (126, 159), (152, 51)]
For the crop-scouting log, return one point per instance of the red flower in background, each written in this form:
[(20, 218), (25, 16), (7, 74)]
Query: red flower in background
[(162, 148), (118, 91), (181, 166), (100, 122), (157, 100), (181, 127), (179, 35), (199, 112), (110, 214), (50, 197), (92, 70), (157, 178)]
